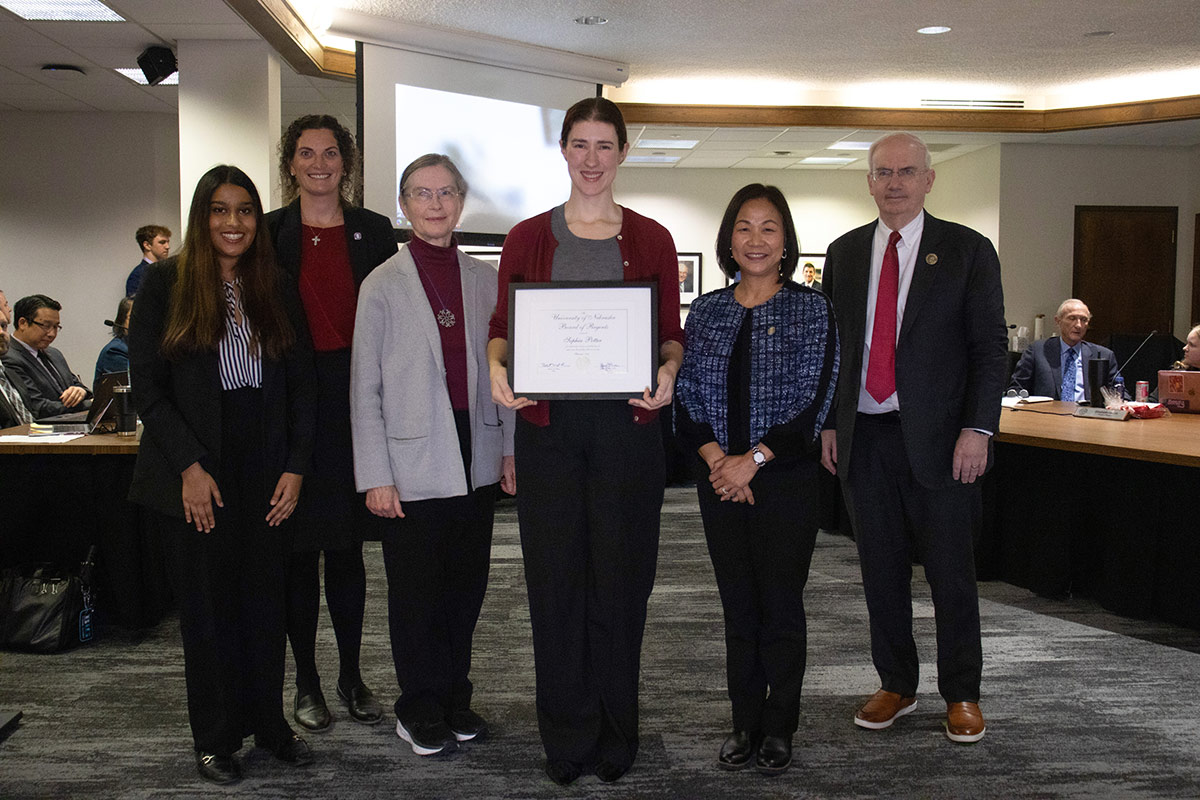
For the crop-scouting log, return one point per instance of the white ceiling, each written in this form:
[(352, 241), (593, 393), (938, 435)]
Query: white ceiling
[(1024, 49)]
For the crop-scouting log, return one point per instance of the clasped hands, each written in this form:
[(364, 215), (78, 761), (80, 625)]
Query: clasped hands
[(730, 476)]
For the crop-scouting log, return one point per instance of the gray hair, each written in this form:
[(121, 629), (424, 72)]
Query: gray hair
[(911, 138), (434, 160), (1063, 307)]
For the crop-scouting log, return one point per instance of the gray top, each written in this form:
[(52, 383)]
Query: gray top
[(577, 259)]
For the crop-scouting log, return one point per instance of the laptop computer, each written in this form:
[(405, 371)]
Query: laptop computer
[(101, 410)]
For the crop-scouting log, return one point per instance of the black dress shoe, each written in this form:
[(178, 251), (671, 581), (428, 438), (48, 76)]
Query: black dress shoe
[(562, 772), (608, 772), (311, 712), (217, 769), (291, 750), (466, 725), (774, 755), (738, 750), (361, 704)]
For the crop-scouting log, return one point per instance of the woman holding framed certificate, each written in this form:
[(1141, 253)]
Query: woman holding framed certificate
[(592, 470), (753, 393)]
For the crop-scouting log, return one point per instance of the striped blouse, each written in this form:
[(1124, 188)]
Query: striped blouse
[(241, 364)]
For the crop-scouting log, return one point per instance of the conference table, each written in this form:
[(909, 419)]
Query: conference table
[(59, 498), (1097, 507)]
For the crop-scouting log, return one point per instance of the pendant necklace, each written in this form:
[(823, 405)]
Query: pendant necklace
[(445, 317), (316, 239)]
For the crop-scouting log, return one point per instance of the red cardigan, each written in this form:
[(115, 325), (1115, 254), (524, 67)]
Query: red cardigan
[(648, 253)]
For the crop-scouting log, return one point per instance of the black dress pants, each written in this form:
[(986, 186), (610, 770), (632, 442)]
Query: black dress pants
[(437, 561), (591, 491), (230, 587), (894, 516), (761, 554)]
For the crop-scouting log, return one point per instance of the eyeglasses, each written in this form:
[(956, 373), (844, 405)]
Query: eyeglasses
[(904, 173), (445, 194), (47, 326)]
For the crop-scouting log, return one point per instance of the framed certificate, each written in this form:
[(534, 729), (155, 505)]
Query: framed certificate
[(582, 340)]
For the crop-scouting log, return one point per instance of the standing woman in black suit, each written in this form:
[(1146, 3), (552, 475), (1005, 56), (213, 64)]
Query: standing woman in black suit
[(223, 368), (326, 246)]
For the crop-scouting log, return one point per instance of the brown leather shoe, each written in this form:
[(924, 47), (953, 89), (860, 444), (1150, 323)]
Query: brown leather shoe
[(882, 709), (964, 723)]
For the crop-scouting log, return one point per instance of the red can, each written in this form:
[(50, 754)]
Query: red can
[(1142, 392)]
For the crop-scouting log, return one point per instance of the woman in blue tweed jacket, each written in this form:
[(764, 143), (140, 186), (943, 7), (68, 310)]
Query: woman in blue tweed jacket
[(757, 380)]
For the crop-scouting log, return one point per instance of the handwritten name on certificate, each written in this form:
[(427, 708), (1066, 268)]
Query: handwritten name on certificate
[(584, 341)]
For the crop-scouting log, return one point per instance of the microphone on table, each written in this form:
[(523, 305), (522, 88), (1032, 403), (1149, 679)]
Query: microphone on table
[(1121, 369)]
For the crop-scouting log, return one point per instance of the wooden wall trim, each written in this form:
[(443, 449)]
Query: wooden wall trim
[(278, 24)]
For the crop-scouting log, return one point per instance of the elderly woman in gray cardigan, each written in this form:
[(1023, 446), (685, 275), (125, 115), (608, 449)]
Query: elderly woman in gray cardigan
[(431, 450)]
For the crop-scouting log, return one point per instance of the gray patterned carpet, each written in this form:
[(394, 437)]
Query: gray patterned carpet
[(1080, 704)]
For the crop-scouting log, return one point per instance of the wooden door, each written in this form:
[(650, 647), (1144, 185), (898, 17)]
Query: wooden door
[(1125, 268)]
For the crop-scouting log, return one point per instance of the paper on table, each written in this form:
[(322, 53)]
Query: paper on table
[(51, 438)]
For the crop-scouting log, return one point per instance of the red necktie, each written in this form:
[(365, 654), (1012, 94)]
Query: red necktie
[(881, 369)]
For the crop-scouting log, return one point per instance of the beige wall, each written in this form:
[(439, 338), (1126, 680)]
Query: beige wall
[(75, 188)]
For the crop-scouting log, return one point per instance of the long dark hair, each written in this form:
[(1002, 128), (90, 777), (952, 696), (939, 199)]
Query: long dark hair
[(791, 244), (196, 320)]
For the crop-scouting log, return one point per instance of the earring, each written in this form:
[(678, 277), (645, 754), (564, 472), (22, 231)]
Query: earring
[(784, 256)]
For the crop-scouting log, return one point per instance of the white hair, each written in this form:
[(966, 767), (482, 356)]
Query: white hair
[(911, 138)]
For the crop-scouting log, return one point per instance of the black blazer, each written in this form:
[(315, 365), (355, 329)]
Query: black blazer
[(951, 354), (1040, 369), (180, 401), (369, 237), (8, 414), (41, 392)]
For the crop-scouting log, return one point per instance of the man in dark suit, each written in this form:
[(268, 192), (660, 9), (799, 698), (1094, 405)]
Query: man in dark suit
[(13, 410), (155, 241), (1040, 370), (921, 315), (810, 277), (50, 386)]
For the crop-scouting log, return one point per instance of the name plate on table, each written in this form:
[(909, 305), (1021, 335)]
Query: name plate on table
[(582, 340)]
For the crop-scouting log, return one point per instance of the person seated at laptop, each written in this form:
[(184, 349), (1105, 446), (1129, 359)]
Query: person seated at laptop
[(1191, 351), (13, 410), (115, 355), (1041, 368), (50, 386)]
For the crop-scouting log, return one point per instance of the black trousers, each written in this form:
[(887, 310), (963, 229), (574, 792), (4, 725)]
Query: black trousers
[(230, 587), (761, 554), (895, 517), (591, 490)]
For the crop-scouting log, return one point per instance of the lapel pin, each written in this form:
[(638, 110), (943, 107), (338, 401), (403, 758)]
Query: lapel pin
[(931, 259), (357, 236)]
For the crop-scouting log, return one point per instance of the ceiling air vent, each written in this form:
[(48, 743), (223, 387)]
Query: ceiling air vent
[(972, 104)]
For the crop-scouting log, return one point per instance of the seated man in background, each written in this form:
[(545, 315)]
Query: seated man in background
[(115, 355), (1057, 367), (155, 241), (50, 386), (13, 410)]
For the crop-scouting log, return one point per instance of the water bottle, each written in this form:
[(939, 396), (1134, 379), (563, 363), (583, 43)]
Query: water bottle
[(1119, 386)]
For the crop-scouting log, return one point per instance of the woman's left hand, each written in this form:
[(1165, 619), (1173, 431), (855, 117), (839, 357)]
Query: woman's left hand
[(287, 494), (731, 476), (662, 395), (508, 474)]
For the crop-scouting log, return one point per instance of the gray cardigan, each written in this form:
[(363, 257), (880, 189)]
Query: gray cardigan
[(401, 419)]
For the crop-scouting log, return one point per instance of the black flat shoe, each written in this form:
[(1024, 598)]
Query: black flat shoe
[(218, 769), (292, 750), (738, 750), (774, 755), (466, 725), (609, 772), (312, 713), (562, 772), (361, 704)]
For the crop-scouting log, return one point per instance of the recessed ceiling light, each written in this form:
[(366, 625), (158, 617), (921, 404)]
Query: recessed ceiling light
[(827, 160), (668, 144), (591, 20), (849, 146), (933, 30), (137, 76), (62, 10), (63, 72), (656, 158)]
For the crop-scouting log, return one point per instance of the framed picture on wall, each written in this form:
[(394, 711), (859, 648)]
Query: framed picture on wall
[(689, 277), (816, 260)]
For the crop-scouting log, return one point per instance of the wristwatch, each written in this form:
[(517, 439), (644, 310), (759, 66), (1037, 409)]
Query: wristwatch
[(759, 458)]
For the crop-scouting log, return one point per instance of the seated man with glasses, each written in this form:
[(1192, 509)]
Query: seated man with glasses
[(1057, 367), (50, 386)]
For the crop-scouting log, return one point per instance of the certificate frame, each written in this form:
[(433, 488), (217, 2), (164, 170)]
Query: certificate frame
[(582, 340)]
